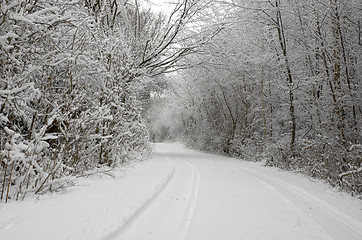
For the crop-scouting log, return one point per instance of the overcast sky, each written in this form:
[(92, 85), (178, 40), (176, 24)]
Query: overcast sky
[(164, 6)]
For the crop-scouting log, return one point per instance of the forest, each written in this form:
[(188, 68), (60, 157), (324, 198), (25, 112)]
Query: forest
[(87, 85)]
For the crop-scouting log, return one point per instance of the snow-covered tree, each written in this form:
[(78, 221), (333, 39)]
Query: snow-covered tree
[(70, 76), (280, 81)]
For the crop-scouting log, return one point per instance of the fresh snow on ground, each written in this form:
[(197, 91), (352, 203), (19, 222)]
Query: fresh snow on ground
[(186, 194)]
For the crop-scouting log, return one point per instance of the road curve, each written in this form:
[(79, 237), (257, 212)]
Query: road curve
[(210, 197)]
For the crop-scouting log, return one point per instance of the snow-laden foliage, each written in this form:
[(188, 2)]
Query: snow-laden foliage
[(280, 82), (67, 100), (70, 77), (70, 73)]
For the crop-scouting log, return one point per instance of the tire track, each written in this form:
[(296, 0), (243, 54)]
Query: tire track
[(138, 212), (321, 212), (172, 207), (343, 219), (190, 209)]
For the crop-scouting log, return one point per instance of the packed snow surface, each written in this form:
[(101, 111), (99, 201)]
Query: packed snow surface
[(186, 194)]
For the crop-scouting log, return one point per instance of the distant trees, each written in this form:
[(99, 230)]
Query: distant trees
[(281, 81), (70, 74)]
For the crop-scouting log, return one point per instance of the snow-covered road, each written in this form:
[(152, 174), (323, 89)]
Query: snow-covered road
[(184, 194)]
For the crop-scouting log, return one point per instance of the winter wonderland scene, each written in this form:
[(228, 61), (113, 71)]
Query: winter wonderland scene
[(180, 120)]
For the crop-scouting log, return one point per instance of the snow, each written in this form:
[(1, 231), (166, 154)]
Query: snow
[(16, 90), (186, 194)]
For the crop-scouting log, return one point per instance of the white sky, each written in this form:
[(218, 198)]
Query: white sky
[(164, 6)]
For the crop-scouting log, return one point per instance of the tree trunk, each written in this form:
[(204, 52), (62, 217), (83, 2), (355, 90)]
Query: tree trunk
[(283, 45)]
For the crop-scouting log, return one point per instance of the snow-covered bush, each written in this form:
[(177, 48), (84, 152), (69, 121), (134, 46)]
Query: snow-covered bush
[(70, 74), (68, 96)]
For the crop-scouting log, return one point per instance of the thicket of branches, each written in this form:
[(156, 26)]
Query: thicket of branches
[(281, 83), (70, 76), (276, 80)]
